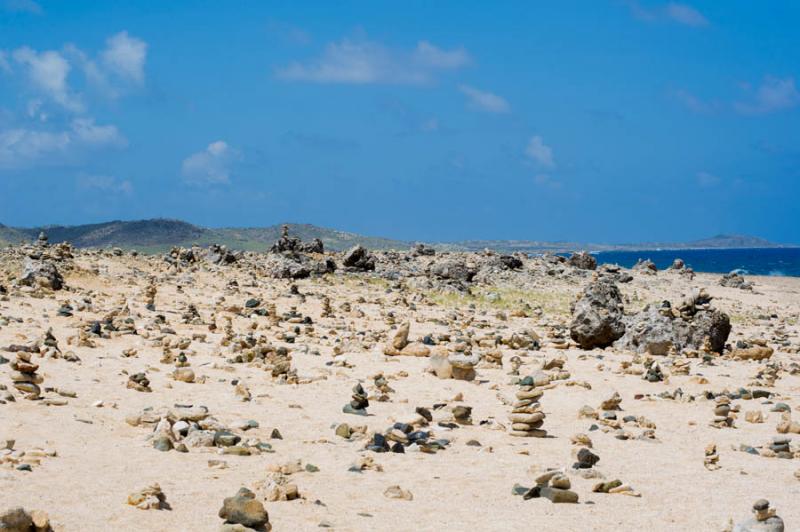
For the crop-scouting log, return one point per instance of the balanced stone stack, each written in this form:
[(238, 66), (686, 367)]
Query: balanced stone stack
[(150, 296), (359, 403), (327, 310), (24, 376), (526, 417), (764, 519), (139, 382), (722, 412)]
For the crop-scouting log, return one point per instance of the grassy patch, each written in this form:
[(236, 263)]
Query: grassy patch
[(500, 298)]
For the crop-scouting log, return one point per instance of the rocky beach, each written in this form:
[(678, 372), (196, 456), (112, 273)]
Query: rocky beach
[(211, 389)]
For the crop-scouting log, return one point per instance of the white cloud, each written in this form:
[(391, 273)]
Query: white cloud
[(540, 153), (86, 132), (672, 11), (685, 14), (435, 57), (431, 124), (366, 62), (289, 33), (211, 166), (485, 101), (125, 56), (105, 184), (707, 180), (21, 147), (48, 72), (121, 63), (35, 112), (22, 6), (695, 104), (774, 94), (546, 180)]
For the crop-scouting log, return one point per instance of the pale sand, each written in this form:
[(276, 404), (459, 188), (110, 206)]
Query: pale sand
[(461, 488)]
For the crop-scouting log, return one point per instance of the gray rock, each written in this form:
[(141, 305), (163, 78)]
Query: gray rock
[(772, 524), (452, 268), (597, 317), (655, 330), (358, 258), (41, 273)]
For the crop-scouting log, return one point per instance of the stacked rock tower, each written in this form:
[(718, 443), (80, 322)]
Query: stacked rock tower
[(527, 416)]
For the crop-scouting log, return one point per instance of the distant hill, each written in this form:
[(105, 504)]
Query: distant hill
[(158, 235), (733, 241)]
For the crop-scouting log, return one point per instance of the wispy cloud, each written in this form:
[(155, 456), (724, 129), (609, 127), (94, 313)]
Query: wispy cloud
[(546, 180), (104, 183), (367, 62), (5, 65), (707, 180), (484, 100), (211, 166), (318, 142), (685, 14), (694, 103), (672, 12), (289, 33), (774, 94), (540, 153), (24, 147), (21, 6)]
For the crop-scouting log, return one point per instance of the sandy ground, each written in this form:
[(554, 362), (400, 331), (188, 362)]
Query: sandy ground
[(101, 459)]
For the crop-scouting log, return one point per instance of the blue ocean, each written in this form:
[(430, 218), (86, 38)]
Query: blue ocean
[(768, 261)]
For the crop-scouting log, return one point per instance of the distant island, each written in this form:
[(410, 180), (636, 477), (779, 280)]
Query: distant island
[(158, 235)]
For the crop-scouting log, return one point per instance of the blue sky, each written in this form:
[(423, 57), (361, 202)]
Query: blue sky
[(595, 120)]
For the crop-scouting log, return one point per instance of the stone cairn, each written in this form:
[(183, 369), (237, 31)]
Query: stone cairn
[(359, 403), (722, 412), (327, 311), (139, 382), (24, 376), (526, 417), (764, 519), (150, 296)]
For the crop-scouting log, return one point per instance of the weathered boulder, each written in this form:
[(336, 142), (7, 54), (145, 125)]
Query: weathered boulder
[(735, 280), (244, 509), (41, 273), (281, 267), (597, 317), (650, 331), (358, 258), (657, 330), (314, 246), (583, 261), (220, 255), (712, 325), (453, 269)]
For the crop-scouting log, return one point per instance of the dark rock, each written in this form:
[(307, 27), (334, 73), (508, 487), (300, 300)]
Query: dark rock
[(358, 258), (583, 261)]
